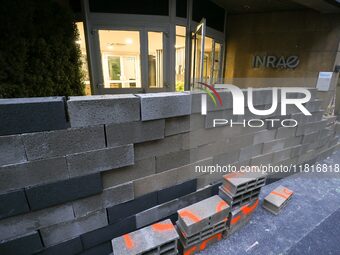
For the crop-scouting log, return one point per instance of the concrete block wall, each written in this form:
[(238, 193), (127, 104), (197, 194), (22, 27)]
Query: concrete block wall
[(124, 162)]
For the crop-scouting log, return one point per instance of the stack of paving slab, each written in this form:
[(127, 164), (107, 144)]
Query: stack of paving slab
[(277, 199), (158, 239), (202, 223), (241, 191)]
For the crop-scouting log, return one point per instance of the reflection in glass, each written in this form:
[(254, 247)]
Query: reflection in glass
[(180, 57), (155, 59), (120, 53)]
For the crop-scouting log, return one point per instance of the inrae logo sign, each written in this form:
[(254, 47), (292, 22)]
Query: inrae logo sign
[(239, 100)]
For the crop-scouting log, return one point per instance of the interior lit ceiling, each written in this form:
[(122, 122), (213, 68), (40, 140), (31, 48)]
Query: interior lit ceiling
[(256, 6)]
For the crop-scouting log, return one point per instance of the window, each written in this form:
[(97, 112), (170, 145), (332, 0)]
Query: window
[(120, 54), (155, 59), (82, 45), (180, 57), (217, 62), (208, 59)]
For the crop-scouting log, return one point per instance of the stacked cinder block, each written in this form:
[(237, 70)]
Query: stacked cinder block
[(241, 191), (158, 239), (240, 188), (277, 199), (201, 223)]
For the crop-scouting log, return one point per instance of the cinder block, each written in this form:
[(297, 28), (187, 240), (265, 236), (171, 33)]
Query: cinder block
[(261, 159), (164, 105), (159, 238), (43, 196), (248, 152), (32, 173), (177, 125), (277, 199), (159, 147), (63, 142), (13, 203), (241, 216), (101, 235), (104, 109), (25, 115), (140, 169), (264, 136), (176, 191), (12, 150), (239, 200), (155, 182), (293, 141), (310, 138), (281, 155), (226, 97), (100, 160), (61, 232), (134, 132), (311, 127), (108, 198), (156, 213), (227, 158), (199, 216), (118, 212), (173, 160), (25, 223), (22, 245), (201, 246), (102, 249), (238, 183), (188, 172), (273, 146), (195, 197), (73, 246)]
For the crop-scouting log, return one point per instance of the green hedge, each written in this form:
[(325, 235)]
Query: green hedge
[(38, 53)]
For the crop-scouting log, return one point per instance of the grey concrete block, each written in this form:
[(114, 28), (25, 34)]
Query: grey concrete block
[(23, 224), (101, 249), (293, 141), (140, 169), (177, 125), (105, 109), (199, 216), (159, 238), (273, 146), (70, 247), (33, 173), (164, 105), (188, 172), (239, 183), (310, 138), (63, 142), (43, 196), (277, 199), (22, 245), (156, 213), (155, 182), (173, 160), (264, 159), (227, 158), (250, 151), (64, 231), (242, 199), (100, 160), (160, 147), (109, 197), (12, 150), (25, 115), (13, 203), (311, 127), (226, 97), (264, 136), (281, 155), (134, 132)]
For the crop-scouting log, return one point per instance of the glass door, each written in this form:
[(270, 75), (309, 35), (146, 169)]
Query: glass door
[(198, 57)]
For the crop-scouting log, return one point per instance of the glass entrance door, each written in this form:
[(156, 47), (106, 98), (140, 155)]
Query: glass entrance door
[(197, 59)]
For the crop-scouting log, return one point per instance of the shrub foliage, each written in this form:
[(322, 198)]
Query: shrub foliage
[(38, 53)]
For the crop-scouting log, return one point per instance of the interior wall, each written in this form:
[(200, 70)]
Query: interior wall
[(312, 36)]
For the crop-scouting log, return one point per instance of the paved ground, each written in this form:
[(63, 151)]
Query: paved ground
[(310, 224)]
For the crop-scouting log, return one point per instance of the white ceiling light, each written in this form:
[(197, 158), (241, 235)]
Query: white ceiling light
[(128, 41)]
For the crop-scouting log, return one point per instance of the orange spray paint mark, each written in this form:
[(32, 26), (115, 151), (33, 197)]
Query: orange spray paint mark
[(287, 191), (190, 251), (249, 209), (280, 194), (205, 242), (190, 215), (128, 241), (221, 205), (162, 227), (235, 220)]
